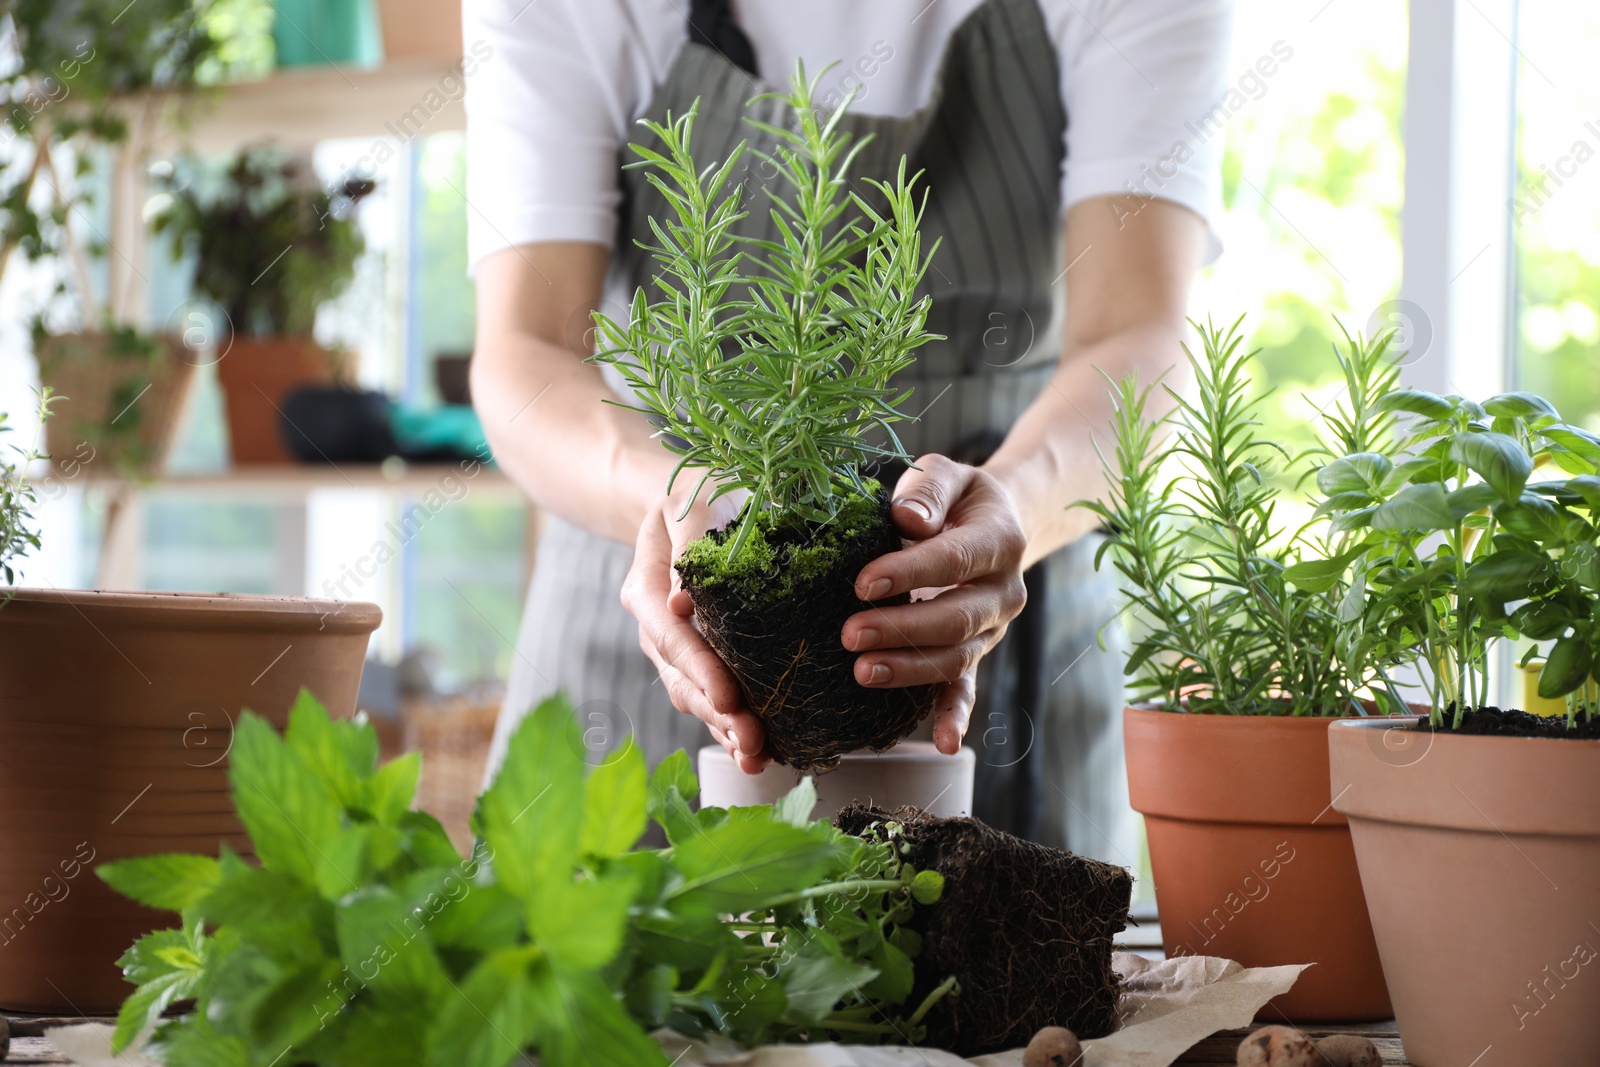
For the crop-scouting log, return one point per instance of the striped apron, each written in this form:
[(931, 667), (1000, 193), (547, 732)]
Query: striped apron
[(1046, 727)]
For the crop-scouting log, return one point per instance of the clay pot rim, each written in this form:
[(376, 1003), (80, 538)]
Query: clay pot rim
[(1372, 722), (218, 611), (1218, 716), (1528, 792)]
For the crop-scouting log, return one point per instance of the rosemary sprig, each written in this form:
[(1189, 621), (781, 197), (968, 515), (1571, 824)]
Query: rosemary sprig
[(765, 364)]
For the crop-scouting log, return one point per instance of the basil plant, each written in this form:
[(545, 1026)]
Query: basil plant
[(1480, 521)]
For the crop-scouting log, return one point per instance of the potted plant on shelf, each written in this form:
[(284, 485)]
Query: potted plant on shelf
[(119, 389), (116, 721), (270, 247), (766, 365), (1475, 828), (1238, 666)]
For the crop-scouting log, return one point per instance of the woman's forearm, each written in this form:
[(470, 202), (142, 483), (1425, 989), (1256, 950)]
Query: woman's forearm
[(1048, 460), (543, 408), (546, 417)]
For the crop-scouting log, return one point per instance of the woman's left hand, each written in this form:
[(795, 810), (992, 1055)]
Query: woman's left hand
[(966, 565)]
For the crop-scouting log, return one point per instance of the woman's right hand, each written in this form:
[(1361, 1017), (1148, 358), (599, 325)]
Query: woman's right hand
[(697, 680)]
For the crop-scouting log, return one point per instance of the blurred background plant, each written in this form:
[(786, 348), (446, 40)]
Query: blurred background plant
[(270, 244), (18, 496)]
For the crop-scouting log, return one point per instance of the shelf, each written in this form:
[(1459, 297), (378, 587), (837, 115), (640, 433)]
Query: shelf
[(299, 107), (293, 481)]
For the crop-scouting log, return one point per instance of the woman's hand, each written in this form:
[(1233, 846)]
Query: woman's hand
[(697, 680), (967, 557)]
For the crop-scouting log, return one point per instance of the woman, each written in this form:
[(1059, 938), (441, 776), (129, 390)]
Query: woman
[(1054, 137)]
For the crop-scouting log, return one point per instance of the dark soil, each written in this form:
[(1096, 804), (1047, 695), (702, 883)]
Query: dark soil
[(1025, 929), (795, 673), (1512, 723)]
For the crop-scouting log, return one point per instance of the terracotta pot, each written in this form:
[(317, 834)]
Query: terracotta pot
[(115, 412), (256, 373), (94, 669), (421, 29), (912, 772), (1480, 857), (1251, 862)]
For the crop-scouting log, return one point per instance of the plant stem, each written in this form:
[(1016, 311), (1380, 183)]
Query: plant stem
[(830, 888), (939, 992)]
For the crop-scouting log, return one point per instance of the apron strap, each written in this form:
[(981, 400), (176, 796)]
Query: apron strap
[(712, 24)]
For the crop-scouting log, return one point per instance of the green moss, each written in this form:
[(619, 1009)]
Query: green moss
[(781, 554)]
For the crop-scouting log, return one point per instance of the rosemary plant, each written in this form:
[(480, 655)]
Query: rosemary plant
[(1236, 614), (766, 363)]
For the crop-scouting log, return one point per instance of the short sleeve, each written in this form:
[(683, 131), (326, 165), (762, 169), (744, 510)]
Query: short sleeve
[(548, 107), (1143, 83)]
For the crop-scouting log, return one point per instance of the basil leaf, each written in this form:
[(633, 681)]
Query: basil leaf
[(1418, 402), (1423, 506), (1499, 460), (1565, 668), (1519, 405), (1362, 472), (1513, 575)]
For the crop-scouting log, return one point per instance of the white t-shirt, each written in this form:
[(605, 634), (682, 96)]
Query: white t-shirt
[(565, 80)]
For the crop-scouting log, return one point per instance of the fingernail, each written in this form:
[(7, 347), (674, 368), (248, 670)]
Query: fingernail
[(914, 505), (734, 738), (879, 673), (867, 637), (879, 589)]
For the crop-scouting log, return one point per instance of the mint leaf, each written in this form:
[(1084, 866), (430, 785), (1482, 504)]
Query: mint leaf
[(581, 1024), (171, 881), (816, 975), (143, 1009), (676, 771), (391, 790), (342, 753), (166, 966), (739, 865), (355, 856), (581, 923), (426, 841), (532, 814), (384, 943), (795, 806), (491, 1016), (287, 809), (614, 803)]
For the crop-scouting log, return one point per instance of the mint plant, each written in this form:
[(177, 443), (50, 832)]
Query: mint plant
[(363, 938), (765, 364), (1235, 614)]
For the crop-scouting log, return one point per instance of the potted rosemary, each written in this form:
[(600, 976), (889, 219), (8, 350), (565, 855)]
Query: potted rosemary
[(1239, 663), (1482, 522), (270, 247), (767, 367)]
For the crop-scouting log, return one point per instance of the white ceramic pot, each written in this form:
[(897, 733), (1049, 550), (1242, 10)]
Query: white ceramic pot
[(912, 772)]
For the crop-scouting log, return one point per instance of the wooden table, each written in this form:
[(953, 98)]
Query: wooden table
[(1222, 1048), (29, 1045)]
